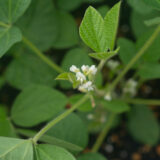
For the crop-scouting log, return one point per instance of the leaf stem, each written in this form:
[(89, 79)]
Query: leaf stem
[(4, 25), (103, 133), (142, 101), (135, 58), (42, 56), (59, 118)]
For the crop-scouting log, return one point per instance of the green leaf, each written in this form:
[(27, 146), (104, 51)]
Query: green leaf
[(51, 140), (85, 107), (92, 1), (111, 22), (91, 156), (8, 37), (70, 5), (143, 126), (91, 30), (116, 106), (149, 71), (68, 31), (106, 55), (6, 128), (127, 51), (50, 152), (140, 6), (154, 21), (67, 76), (40, 19), (153, 3), (152, 53), (27, 69), (12, 149), (37, 104), (2, 81), (11, 10), (71, 129), (137, 22)]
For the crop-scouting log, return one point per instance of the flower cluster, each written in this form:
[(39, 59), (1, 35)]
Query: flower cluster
[(130, 87), (84, 77)]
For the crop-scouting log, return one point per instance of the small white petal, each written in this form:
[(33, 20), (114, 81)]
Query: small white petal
[(108, 97), (112, 64), (80, 77), (73, 68), (93, 70), (85, 68)]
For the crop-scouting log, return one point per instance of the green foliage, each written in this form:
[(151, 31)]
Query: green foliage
[(127, 50), (154, 3), (97, 33), (91, 156), (115, 106), (68, 32), (10, 11), (70, 5), (27, 69), (15, 148), (149, 71), (49, 152), (154, 21), (104, 56), (34, 100), (85, 107), (143, 126), (72, 130), (6, 128), (40, 19)]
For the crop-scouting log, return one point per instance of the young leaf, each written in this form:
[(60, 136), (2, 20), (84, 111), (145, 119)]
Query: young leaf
[(11, 10), (63, 76), (111, 22), (71, 129), (143, 126), (91, 30), (116, 106), (91, 156), (37, 104), (8, 36), (50, 152), (106, 55), (12, 149)]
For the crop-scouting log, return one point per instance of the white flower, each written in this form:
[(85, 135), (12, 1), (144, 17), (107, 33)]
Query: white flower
[(85, 69), (73, 68), (93, 70), (112, 64), (108, 97), (130, 87), (80, 77), (86, 87), (90, 116)]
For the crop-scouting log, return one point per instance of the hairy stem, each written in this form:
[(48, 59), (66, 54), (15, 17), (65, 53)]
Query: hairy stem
[(42, 56), (103, 133), (59, 118), (135, 58), (142, 101)]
